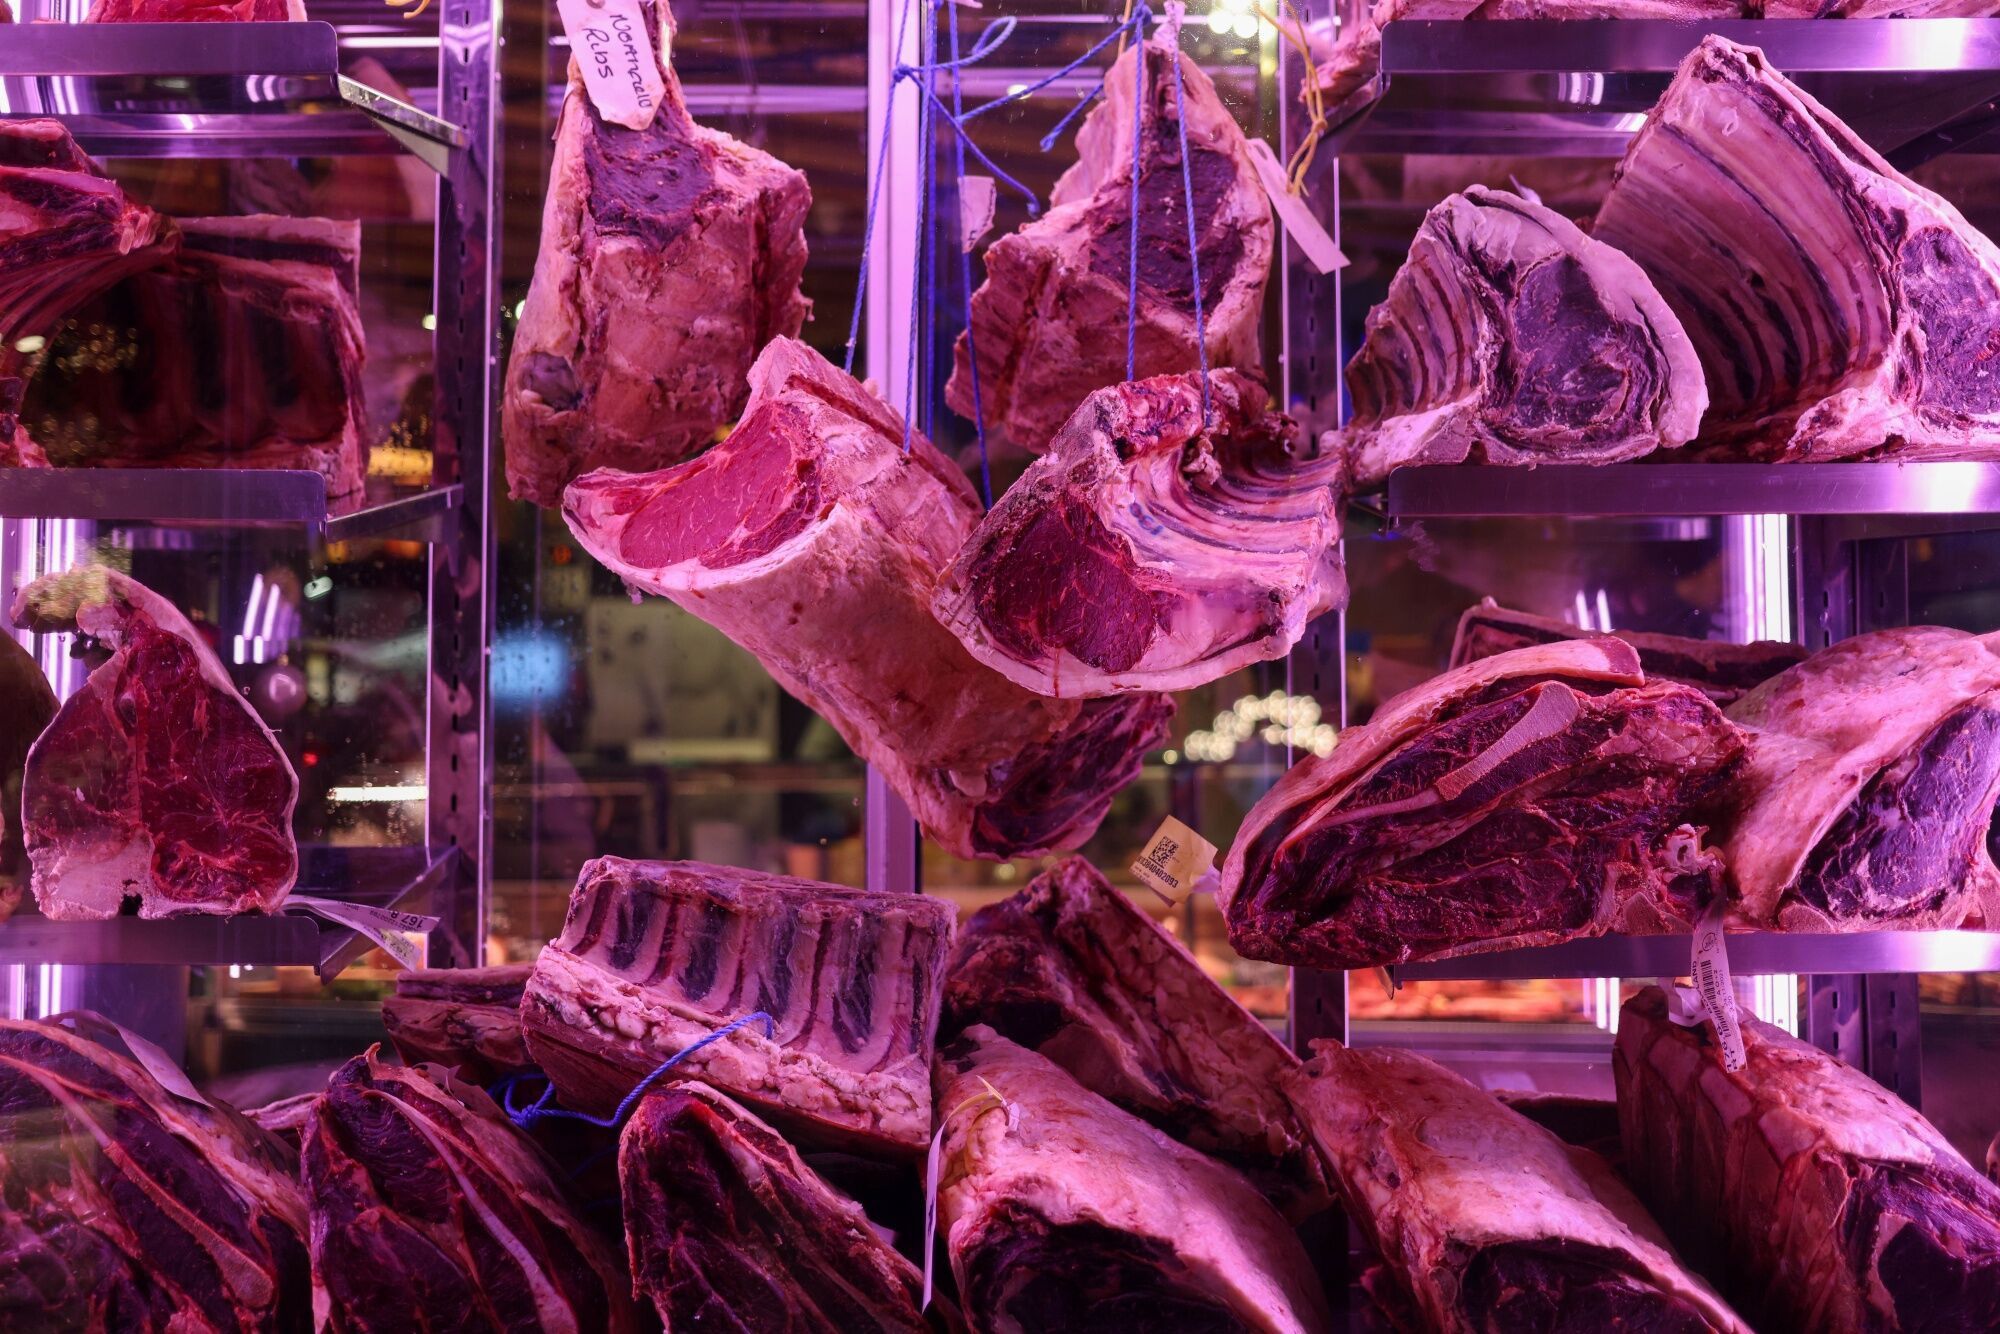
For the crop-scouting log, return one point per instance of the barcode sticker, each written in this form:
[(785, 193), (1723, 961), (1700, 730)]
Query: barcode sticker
[(1710, 973), (1293, 215), (387, 927), (1174, 860), (614, 56)]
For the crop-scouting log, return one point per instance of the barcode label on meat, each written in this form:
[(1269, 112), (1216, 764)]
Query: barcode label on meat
[(614, 56), (387, 927), (1174, 859), (1710, 974), (1293, 215)]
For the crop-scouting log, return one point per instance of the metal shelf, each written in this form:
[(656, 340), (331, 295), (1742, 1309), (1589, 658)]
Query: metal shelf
[(1670, 490), (1750, 952), (227, 497), (211, 91)]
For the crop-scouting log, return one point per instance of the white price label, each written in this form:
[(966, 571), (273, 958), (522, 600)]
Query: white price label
[(1293, 215), (385, 926), (1710, 974), (614, 56), (976, 199), (1174, 861)]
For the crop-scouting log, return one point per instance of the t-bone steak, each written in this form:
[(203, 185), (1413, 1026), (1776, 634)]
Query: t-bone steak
[(1059, 1209), (1873, 770), (1839, 309), (1817, 1199), (157, 783), (1148, 550), (468, 1019), (728, 1229), (1527, 798), (670, 256), (812, 539), (1720, 670), (1049, 323), (1484, 1221), (1510, 337), (31, 706), (656, 955), (1071, 968)]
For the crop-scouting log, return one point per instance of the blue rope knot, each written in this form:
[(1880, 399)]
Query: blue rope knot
[(542, 1110)]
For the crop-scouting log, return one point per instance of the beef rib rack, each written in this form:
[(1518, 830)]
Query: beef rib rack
[(1839, 309), (812, 539), (157, 783), (1528, 798), (1510, 337), (1817, 1199), (1048, 323), (1150, 549), (670, 256)]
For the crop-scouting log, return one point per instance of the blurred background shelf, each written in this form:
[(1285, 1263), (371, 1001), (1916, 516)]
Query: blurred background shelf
[(1666, 490), (218, 497), (1750, 952)]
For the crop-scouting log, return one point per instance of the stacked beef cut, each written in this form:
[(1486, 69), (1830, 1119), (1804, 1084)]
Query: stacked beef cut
[(467, 1019)]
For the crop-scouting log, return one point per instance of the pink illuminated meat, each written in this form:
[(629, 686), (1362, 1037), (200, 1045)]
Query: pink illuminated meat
[(195, 11)]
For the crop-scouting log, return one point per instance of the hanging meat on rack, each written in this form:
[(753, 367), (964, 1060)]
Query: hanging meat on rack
[(157, 785), (1511, 337), (196, 11), (30, 707), (1173, 533), (1048, 324), (1524, 799), (1840, 309), (468, 1019), (670, 256), (814, 540), (1817, 1199), (130, 1205), (1873, 770), (430, 1211), (1720, 670), (655, 956), (1071, 968), (1483, 1220)]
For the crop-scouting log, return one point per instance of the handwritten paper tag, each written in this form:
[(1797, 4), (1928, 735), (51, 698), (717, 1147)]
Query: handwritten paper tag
[(976, 198), (614, 55), (1293, 215), (1712, 991), (1174, 860), (387, 927)]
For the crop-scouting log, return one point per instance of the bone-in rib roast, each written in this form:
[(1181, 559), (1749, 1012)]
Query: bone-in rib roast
[(125, 1206), (1839, 309), (1509, 336), (1483, 1220), (813, 540), (1870, 785), (1071, 968), (1817, 1199), (157, 782), (430, 1211), (30, 706), (670, 256), (1148, 550), (1524, 799), (468, 1019), (1048, 325), (656, 955), (1061, 1212)]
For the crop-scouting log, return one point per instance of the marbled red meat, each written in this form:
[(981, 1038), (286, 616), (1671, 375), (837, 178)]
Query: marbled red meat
[(31, 705), (467, 1019), (195, 11)]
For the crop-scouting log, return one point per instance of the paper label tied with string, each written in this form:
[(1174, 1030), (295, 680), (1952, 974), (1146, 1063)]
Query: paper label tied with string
[(1293, 214), (387, 927), (1712, 997), (1174, 859), (614, 56)]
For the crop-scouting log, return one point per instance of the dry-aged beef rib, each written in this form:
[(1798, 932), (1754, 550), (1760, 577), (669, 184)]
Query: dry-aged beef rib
[(1872, 774), (127, 1207), (727, 1229), (157, 782), (1071, 968), (1146, 551), (463, 1018), (1509, 336), (1722, 671), (1062, 1212), (814, 541), (1049, 322), (1484, 1221), (670, 256), (1839, 309), (655, 955), (30, 706), (1524, 799), (1818, 1200), (430, 1211)]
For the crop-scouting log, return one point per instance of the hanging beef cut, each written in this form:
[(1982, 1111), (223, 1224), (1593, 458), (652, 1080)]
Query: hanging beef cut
[(1722, 671), (670, 256), (1817, 1199), (468, 1019), (1510, 337), (126, 1206), (1524, 799), (430, 1211), (157, 783), (1048, 324), (1483, 1220), (1062, 1212), (1872, 775), (656, 955), (1150, 549), (30, 707), (812, 539), (1071, 968), (1839, 309), (728, 1229)]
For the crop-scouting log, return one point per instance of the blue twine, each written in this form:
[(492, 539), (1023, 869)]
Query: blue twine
[(1136, 23), (965, 270), (540, 1110), (926, 160), (1090, 95), (1194, 250)]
